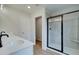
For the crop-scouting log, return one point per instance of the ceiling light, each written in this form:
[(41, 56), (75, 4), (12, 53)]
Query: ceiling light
[(29, 7)]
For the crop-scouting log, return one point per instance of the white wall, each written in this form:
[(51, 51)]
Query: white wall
[(37, 13), (16, 22)]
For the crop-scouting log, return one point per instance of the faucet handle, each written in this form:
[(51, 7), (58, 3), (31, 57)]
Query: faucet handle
[(2, 32)]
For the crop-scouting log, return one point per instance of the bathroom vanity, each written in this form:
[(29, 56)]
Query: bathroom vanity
[(15, 45)]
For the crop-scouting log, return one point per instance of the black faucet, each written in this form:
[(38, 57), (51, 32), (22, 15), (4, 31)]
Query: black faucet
[(2, 34)]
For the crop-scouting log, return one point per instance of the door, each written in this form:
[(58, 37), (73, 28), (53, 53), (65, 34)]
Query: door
[(54, 33), (71, 33)]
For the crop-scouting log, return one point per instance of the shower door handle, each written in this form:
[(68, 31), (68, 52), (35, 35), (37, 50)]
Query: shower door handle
[(50, 28)]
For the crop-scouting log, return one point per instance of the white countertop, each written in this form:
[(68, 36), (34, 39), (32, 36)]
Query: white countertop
[(9, 50)]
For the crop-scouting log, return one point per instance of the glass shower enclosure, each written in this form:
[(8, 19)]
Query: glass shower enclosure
[(54, 33), (63, 33)]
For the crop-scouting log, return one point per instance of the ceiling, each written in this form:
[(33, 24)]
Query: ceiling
[(56, 7), (49, 7), (23, 7)]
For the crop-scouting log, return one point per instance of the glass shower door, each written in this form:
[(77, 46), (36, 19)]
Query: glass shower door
[(54, 33), (71, 33)]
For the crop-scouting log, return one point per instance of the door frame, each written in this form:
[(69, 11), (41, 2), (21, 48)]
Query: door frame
[(61, 30), (38, 17)]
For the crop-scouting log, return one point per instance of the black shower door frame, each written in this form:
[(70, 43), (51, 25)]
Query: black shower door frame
[(61, 15)]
